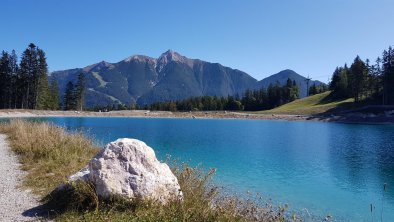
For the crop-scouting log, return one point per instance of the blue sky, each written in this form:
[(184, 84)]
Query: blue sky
[(258, 37)]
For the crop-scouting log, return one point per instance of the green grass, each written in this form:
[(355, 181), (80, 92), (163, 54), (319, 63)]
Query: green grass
[(316, 104), (49, 154)]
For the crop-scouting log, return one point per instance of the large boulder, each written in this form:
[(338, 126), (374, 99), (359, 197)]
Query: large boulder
[(128, 167)]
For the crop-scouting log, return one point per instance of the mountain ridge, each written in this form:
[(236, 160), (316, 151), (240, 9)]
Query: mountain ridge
[(144, 80)]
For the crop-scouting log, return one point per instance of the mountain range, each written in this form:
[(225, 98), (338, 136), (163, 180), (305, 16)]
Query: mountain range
[(144, 80)]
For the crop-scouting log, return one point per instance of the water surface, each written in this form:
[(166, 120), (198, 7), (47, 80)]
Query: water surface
[(314, 167)]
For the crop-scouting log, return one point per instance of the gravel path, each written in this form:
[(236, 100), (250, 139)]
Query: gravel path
[(15, 204)]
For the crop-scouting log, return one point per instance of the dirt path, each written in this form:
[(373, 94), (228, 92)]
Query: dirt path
[(15, 204)]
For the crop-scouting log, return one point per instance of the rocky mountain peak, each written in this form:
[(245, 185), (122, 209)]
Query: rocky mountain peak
[(140, 58), (172, 56), (97, 67)]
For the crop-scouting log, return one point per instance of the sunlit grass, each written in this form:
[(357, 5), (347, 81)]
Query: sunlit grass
[(311, 105)]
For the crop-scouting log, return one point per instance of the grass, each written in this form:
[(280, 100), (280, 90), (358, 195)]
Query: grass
[(50, 155), (316, 104), (47, 152)]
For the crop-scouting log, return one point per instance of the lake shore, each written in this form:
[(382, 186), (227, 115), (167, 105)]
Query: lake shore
[(150, 114), (344, 118)]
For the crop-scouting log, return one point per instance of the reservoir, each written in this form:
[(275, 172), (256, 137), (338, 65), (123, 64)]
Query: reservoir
[(316, 168)]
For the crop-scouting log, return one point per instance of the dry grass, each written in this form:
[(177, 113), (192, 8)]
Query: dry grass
[(50, 155), (47, 152)]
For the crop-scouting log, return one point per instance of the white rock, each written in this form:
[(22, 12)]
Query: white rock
[(128, 167)]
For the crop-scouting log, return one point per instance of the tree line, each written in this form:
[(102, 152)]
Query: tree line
[(25, 85), (252, 100), (317, 89), (366, 82)]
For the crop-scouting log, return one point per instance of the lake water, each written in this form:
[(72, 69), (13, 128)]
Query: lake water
[(314, 167)]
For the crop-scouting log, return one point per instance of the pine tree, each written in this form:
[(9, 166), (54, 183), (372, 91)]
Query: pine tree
[(13, 84), (69, 97), (42, 88), (4, 74), (29, 77), (54, 98), (388, 76), (358, 78), (80, 91)]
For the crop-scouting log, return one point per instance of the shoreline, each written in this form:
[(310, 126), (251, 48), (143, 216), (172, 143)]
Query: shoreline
[(352, 118)]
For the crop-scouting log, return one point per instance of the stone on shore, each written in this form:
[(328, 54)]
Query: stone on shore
[(128, 167)]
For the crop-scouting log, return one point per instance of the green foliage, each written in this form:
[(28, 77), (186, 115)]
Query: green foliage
[(80, 91), (339, 83), (314, 89), (282, 78), (25, 85), (363, 81), (252, 100), (6, 79), (54, 97), (74, 96), (43, 96), (358, 78), (388, 76), (69, 97)]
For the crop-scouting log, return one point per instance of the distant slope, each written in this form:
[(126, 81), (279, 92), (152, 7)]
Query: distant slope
[(315, 104), (145, 80), (282, 77)]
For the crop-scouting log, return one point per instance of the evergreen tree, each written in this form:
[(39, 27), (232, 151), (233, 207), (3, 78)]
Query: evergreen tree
[(80, 91), (42, 88), (313, 90), (4, 78), (13, 81), (29, 77), (358, 78), (69, 97), (388, 76), (339, 84), (54, 98)]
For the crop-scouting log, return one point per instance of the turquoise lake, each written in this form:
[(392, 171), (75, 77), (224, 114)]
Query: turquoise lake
[(316, 168)]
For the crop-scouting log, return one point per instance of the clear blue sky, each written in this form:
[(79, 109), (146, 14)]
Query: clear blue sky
[(259, 37)]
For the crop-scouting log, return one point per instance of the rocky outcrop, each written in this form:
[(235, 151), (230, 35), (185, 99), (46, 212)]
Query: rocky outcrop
[(128, 167)]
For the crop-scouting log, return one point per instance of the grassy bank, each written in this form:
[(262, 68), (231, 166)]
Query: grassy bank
[(50, 155), (316, 104)]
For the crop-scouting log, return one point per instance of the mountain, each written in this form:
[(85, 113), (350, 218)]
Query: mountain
[(282, 77), (145, 80)]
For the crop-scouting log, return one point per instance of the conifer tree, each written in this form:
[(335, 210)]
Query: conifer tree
[(358, 78), (388, 76), (29, 77), (69, 97), (4, 74), (80, 91), (13, 81), (42, 88), (54, 98)]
